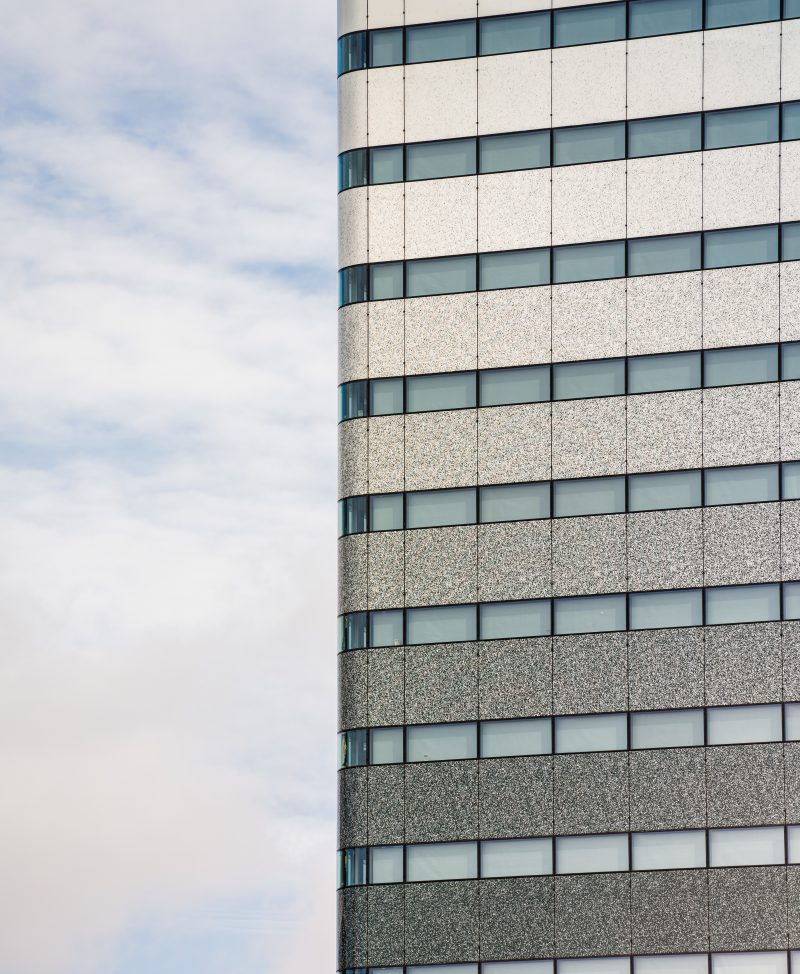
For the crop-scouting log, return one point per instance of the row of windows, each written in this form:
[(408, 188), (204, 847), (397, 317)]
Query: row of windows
[(569, 146), (565, 27), (668, 609), (573, 734), (665, 372), (569, 263), (563, 854), (671, 490)]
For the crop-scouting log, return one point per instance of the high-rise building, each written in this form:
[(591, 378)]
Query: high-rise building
[(570, 482)]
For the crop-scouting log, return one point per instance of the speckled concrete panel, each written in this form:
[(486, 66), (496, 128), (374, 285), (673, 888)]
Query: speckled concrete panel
[(352, 226), (385, 685), (790, 181), (441, 333), (386, 570), (740, 425), (669, 911), (665, 75), (665, 550), (385, 924), (352, 110), (791, 757), (514, 327), (442, 922), (516, 678), (593, 915), (790, 420), (588, 200), (514, 560), (664, 313), (385, 104), (740, 186), (588, 320), (790, 539), (589, 554), (441, 216), (386, 222), (790, 641), (352, 927), (665, 431), (514, 209), (741, 66), (441, 801), (790, 300), (352, 342), (793, 897), (352, 818), (516, 797), (742, 544), (442, 565), (668, 789), (590, 673), (740, 305), (441, 683), (790, 59), (386, 13), (441, 449), (441, 100), (351, 15), (745, 785), (590, 793), (386, 811), (386, 330), (743, 663), (665, 668), (514, 443), (577, 98), (514, 90), (353, 573), (747, 908), (352, 689), (386, 450), (353, 457), (516, 917), (665, 194), (589, 437), (428, 11)]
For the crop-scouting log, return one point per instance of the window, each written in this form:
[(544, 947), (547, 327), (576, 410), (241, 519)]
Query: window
[(669, 850), (791, 481), (791, 121), (505, 153), (730, 13), (667, 728), (665, 610), (595, 495), (664, 491), (749, 963), (589, 25), (514, 268), (742, 603), (386, 745), (505, 35), (581, 380), (353, 169), (791, 9), (352, 51), (661, 136), (441, 742), (353, 400), (510, 620), (741, 126), (790, 359), (791, 600), (516, 857), (442, 624), (793, 836), (730, 248), (672, 964), (353, 631), (518, 502), (792, 719), (386, 164), (742, 485), (385, 397), (386, 628), (385, 47), (436, 508), (386, 864), (790, 241), (591, 853), (588, 262), (595, 613), (746, 847), (385, 281), (433, 160), (425, 393), (352, 867), (744, 725), (509, 738), (504, 387), (441, 42), (386, 512), (594, 965), (516, 967), (660, 373), (428, 969), (663, 255), (440, 275), (353, 284), (651, 17), (353, 748), (594, 732), (442, 860), (589, 143)]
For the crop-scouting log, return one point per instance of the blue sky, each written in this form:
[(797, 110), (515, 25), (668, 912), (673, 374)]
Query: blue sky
[(167, 453)]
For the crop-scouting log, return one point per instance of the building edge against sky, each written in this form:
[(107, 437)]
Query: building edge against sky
[(569, 590)]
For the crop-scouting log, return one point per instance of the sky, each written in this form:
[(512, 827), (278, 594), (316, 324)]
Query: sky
[(167, 518)]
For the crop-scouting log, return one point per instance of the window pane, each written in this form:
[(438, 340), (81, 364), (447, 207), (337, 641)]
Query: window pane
[(791, 121), (385, 397), (793, 835), (595, 495), (581, 380), (517, 967), (433, 969), (741, 485), (792, 719), (729, 248), (433, 160), (385, 281), (669, 850), (667, 728), (429, 392), (666, 610), (440, 275), (729, 13), (386, 864), (741, 126), (516, 502), (435, 508), (386, 745), (442, 860), (353, 169), (353, 284), (505, 35), (588, 143), (746, 847), (440, 42), (790, 241), (791, 8), (504, 387), (353, 400), (510, 620), (591, 853), (353, 630), (663, 255), (736, 366), (595, 613), (791, 481), (651, 17), (595, 965), (664, 491), (660, 373), (353, 748), (791, 600), (790, 359), (386, 164), (516, 857), (588, 25), (744, 725), (523, 150), (660, 136), (509, 738), (514, 268), (742, 603), (588, 262), (594, 732), (385, 47), (353, 867), (672, 964), (441, 742), (386, 628), (352, 50), (386, 512), (750, 963), (442, 624)]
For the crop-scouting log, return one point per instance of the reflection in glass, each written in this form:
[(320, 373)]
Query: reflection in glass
[(581, 380), (437, 508), (742, 603), (517, 502), (589, 143), (521, 150), (588, 262), (741, 126), (509, 738), (667, 728), (750, 245), (523, 32), (661, 136), (661, 373), (669, 850), (595, 613), (664, 255), (746, 847), (440, 42), (455, 390), (516, 857), (386, 745), (386, 627), (385, 397), (440, 275), (790, 358), (665, 610), (386, 864), (595, 495), (386, 281), (730, 13), (592, 732), (434, 160), (442, 860), (591, 853), (442, 624), (385, 47), (441, 742), (651, 17), (511, 620), (589, 25), (386, 164), (664, 491), (514, 268), (505, 387), (386, 512), (745, 725), (742, 485)]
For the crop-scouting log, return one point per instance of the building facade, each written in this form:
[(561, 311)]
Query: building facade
[(569, 633)]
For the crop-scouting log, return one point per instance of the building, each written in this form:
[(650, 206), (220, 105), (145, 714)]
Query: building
[(570, 471)]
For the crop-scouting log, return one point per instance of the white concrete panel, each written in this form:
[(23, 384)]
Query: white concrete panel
[(578, 95), (740, 305), (351, 15), (740, 186), (513, 327), (790, 301), (441, 333), (790, 181), (385, 105), (353, 226), (352, 110), (665, 313), (352, 342), (589, 202), (386, 329), (514, 210), (441, 100), (665, 75), (386, 222), (790, 64), (384, 13), (430, 11), (665, 194), (441, 217), (514, 92), (588, 320), (741, 66)]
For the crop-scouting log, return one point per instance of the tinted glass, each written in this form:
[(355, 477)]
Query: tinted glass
[(440, 275), (386, 47), (589, 143), (664, 491), (453, 391), (518, 502), (442, 624), (659, 136), (790, 241), (510, 620), (671, 964), (665, 610), (742, 603), (791, 119), (792, 719), (440, 42), (595, 495), (353, 630), (386, 512), (386, 628), (791, 600), (651, 17), (596, 613), (352, 51), (517, 967), (729, 13), (580, 380), (353, 867), (386, 745), (595, 732), (588, 262), (441, 742), (729, 248), (736, 366), (791, 8), (508, 738), (516, 857), (386, 164), (751, 963), (524, 32), (791, 481), (385, 281), (386, 864), (595, 965), (591, 854), (746, 847), (503, 387), (667, 728), (741, 126), (790, 360), (353, 400), (660, 373), (353, 748), (353, 284), (745, 725), (663, 255), (433, 160), (588, 25), (435, 508), (505, 153), (356, 515), (385, 397), (444, 860), (741, 485), (353, 169), (669, 850), (514, 268)]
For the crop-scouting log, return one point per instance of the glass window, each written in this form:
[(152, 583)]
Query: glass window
[(510, 738), (517, 967), (589, 25), (663, 255), (791, 9), (746, 847), (593, 732), (385, 397), (442, 742), (729, 13), (792, 719), (455, 390), (386, 281), (594, 613), (353, 748), (353, 400), (519, 502), (440, 275), (436, 508), (353, 630), (791, 481), (352, 867), (666, 610), (386, 864), (386, 628), (742, 485), (581, 380), (664, 491), (385, 47), (661, 136), (510, 620), (353, 284), (791, 600), (741, 126), (651, 17), (442, 860), (669, 850), (352, 50), (440, 42), (516, 857), (504, 387), (751, 245), (514, 268), (386, 745), (595, 495), (353, 169), (386, 164), (661, 373), (588, 262), (522, 150), (433, 160), (667, 728), (770, 962), (791, 121), (591, 853), (790, 241), (432, 969), (672, 964), (588, 143), (505, 35), (386, 512), (744, 725), (793, 836), (742, 603), (790, 359), (594, 965), (442, 624)]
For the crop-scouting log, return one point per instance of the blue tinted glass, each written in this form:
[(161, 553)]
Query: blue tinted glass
[(440, 42), (440, 275), (504, 387), (386, 164), (742, 485), (580, 380), (385, 281), (664, 491), (791, 8), (352, 51), (437, 508), (729, 13), (790, 360), (596, 613), (791, 119), (589, 143), (353, 400), (666, 610), (523, 32), (386, 47), (588, 262), (523, 150), (386, 512), (738, 366), (791, 481), (385, 397), (660, 373), (651, 17), (442, 624), (594, 495), (353, 169), (454, 390), (588, 25), (730, 248), (353, 631), (434, 160), (742, 603), (353, 284), (741, 126), (386, 628), (790, 241), (660, 136), (356, 515), (516, 502), (663, 255), (509, 620), (514, 268)]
